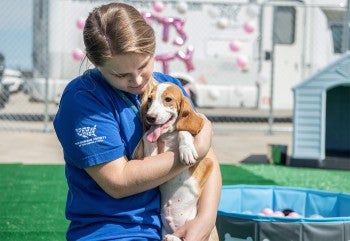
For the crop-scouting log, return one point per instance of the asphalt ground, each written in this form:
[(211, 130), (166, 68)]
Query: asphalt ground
[(232, 142)]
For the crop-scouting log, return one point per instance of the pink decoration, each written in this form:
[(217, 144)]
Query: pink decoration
[(235, 46), (242, 62), (249, 27), (184, 57), (80, 23), (78, 55), (164, 59), (177, 23), (187, 58), (158, 6), (148, 17)]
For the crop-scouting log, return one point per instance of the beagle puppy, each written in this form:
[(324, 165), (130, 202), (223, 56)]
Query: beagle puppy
[(170, 123)]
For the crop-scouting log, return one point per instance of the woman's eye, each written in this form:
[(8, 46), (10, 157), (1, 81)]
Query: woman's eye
[(120, 75), (168, 99)]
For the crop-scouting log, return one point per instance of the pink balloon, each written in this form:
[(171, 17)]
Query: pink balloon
[(158, 6), (249, 27), (242, 62), (78, 55), (267, 211), (235, 46), (294, 215), (80, 23)]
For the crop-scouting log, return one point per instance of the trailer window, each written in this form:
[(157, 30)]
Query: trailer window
[(337, 33), (284, 25)]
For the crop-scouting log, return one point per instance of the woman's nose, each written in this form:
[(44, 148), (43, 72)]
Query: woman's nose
[(136, 79)]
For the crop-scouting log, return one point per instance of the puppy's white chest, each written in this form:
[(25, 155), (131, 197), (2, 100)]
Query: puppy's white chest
[(179, 198), (170, 141)]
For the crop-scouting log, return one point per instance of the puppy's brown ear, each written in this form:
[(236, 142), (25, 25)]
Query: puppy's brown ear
[(143, 111), (139, 151), (188, 120)]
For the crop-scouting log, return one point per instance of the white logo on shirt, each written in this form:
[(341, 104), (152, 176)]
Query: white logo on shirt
[(89, 135), (86, 132)]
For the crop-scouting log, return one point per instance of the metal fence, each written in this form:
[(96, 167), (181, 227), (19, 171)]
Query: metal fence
[(41, 43)]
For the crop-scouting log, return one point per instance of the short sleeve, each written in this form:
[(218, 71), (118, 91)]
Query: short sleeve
[(88, 129)]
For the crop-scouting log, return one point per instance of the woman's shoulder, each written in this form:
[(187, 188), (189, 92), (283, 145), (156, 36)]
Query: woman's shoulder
[(85, 94), (86, 81), (87, 84)]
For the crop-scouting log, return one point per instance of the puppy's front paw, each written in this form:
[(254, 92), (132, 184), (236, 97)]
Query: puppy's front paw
[(170, 237), (188, 154)]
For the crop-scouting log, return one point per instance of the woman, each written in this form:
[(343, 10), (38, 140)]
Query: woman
[(111, 196)]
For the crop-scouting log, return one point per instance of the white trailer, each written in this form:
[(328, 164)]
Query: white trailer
[(230, 53)]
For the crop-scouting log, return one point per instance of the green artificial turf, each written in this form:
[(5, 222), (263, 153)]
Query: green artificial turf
[(322, 179), (32, 198), (32, 202)]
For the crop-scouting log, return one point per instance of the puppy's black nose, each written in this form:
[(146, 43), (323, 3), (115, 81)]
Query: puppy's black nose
[(150, 119)]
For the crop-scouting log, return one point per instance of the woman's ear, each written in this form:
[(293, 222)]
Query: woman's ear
[(188, 120)]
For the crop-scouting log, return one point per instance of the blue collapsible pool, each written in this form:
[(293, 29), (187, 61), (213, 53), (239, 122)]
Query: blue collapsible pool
[(324, 216)]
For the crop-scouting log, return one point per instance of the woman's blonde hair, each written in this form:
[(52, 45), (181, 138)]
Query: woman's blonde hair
[(117, 29)]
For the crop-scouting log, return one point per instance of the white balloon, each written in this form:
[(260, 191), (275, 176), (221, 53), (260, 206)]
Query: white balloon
[(214, 94), (223, 23), (213, 12), (182, 7), (252, 10)]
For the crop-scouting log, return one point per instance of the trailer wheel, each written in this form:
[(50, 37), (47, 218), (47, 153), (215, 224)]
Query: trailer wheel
[(187, 85)]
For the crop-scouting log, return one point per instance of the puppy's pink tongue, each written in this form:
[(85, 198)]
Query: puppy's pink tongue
[(153, 133)]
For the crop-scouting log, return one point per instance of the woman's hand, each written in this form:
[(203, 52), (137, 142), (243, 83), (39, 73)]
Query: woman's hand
[(202, 141), (194, 230)]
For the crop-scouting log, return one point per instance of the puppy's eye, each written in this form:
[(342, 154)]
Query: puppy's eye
[(168, 99), (149, 99)]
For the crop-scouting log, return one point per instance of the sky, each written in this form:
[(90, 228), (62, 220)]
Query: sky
[(16, 33)]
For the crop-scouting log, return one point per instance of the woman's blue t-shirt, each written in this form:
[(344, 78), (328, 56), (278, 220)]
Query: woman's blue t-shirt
[(96, 125)]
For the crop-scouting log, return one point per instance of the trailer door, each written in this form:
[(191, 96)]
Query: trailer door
[(282, 49)]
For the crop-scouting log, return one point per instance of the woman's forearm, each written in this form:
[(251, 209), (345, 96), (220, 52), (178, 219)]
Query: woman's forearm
[(203, 139), (121, 178), (210, 197)]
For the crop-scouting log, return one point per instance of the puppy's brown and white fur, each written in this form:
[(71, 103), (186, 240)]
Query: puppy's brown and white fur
[(169, 119)]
